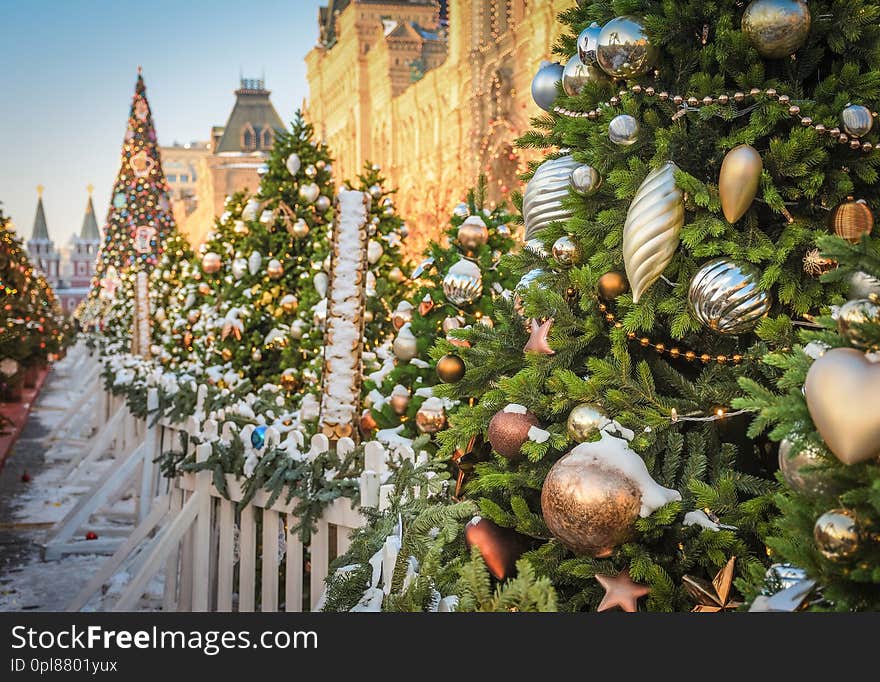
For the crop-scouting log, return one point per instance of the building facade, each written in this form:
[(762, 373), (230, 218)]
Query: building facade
[(69, 270), (227, 164), (435, 93), (183, 164)]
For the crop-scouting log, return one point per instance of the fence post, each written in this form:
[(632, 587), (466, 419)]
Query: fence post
[(202, 536), (150, 443)]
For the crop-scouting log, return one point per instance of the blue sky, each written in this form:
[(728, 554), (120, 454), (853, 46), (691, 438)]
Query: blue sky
[(67, 73)]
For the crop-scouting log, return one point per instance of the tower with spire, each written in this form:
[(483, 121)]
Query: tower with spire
[(84, 247), (41, 249)]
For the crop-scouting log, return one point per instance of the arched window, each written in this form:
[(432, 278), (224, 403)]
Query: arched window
[(266, 138), (248, 138)]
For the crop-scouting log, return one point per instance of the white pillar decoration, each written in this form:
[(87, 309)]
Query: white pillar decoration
[(343, 346), (140, 342)]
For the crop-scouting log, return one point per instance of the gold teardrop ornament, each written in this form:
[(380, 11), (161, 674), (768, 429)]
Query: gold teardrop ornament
[(738, 182)]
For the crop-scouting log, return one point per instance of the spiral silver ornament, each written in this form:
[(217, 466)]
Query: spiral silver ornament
[(652, 228), (724, 296), (463, 284), (542, 201)]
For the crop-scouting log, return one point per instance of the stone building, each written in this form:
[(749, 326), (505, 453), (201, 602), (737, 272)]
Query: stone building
[(182, 164), (237, 150), (41, 249), (433, 92)]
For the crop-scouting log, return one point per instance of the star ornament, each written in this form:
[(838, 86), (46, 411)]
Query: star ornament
[(621, 591), (715, 597), (537, 342)]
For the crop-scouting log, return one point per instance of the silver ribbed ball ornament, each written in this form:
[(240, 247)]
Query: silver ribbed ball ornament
[(857, 120), (576, 75), (461, 211), (542, 200), (544, 84), (536, 248), (310, 171), (323, 203), (863, 285), (624, 49), (565, 251), (724, 296), (587, 42), (623, 130), (585, 180), (463, 284)]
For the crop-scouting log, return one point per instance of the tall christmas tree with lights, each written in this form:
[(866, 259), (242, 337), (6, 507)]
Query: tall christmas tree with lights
[(139, 223)]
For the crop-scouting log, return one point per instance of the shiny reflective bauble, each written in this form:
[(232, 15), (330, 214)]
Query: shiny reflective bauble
[(738, 181), (309, 192), (851, 220), (776, 28), (863, 285), (624, 49), (724, 296), (289, 303), (612, 284), (463, 284), (588, 42), (472, 234), (857, 120), (565, 251), (623, 130), (310, 171), (322, 204), (584, 422), (536, 248), (544, 84), (461, 211), (211, 262), (258, 436), (589, 507), (783, 576), (576, 75), (274, 269), (450, 369), (299, 229), (854, 313), (801, 469), (430, 420), (375, 191), (293, 164), (399, 402), (542, 200), (585, 180), (836, 533), (500, 547)]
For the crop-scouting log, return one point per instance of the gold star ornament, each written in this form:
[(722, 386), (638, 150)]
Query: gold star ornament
[(621, 591), (716, 596)]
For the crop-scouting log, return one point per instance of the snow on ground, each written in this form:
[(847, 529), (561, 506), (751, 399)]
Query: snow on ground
[(28, 510)]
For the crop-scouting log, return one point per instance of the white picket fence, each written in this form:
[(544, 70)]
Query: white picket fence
[(211, 554)]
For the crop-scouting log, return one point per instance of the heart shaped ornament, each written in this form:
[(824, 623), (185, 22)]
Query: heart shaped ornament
[(842, 391)]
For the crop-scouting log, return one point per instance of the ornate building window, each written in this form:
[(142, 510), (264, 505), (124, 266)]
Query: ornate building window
[(266, 138), (248, 138)]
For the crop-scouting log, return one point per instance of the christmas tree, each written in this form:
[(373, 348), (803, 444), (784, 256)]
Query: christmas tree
[(693, 152), (823, 413), (444, 299), (139, 223)]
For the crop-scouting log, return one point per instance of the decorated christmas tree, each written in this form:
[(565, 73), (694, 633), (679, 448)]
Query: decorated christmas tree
[(139, 223), (695, 153), (457, 282), (823, 413)]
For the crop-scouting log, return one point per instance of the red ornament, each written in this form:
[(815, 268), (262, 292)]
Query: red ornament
[(91, 535), (25, 477)]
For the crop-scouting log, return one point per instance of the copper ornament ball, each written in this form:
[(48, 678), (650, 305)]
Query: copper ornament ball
[(472, 234), (211, 262), (429, 420), (367, 424), (500, 547), (450, 369), (399, 403), (612, 284), (274, 269), (851, 220), (589, 507), (508, 432)]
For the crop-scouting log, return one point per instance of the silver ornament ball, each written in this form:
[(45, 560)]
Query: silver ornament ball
[(624, 49), (293, 164), (852, 315), (776, 28), (463, 284), (588, 42), (623, 130), (311, 171), (461, 211), (857, 120), (322, 203), (585, 180), (863, 285), (576, 75), (724, 296), (801, 471), (544, 84), (565, 251)]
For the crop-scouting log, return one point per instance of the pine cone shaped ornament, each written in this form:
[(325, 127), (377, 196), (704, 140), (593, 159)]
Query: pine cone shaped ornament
[(653, 225)]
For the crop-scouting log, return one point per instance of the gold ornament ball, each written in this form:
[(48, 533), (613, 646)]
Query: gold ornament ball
[(776, 28), (623, 48), (584, 421), (204, 288), (612, 284), (368, 316), (429, 420), (836, 533), (399, 402), (589, 507), (396, 275), (450, 369), (472, 234), (799, 470), (565, 251), (226, 354), (508, 432), (299, 229), (274, 269), (211, 262), (852, 315), (851, 220)]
